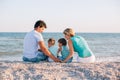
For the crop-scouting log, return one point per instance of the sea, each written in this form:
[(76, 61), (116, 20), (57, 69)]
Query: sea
[(105, 46)]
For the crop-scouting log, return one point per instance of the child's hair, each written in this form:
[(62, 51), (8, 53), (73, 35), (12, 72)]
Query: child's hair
[(62, 41), (52, 41)]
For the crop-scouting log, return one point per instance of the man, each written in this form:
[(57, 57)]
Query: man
[(33, 42)]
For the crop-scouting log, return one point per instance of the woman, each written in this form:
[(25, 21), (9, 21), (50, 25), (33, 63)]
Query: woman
[(79, 45)]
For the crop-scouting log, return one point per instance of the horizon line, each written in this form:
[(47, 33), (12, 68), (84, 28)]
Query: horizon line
[(52, 32)]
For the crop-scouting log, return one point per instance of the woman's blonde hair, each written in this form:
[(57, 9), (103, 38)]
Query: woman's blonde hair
[(69, 31)]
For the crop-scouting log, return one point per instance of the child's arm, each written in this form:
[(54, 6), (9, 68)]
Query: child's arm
[(59, 50), (71, 51)]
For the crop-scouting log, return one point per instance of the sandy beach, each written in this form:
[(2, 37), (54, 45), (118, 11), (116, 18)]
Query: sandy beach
[(18, 70)]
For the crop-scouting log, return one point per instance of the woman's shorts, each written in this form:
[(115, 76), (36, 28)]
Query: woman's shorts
[(90, 59)]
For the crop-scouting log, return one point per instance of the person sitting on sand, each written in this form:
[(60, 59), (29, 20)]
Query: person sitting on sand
[(78, 44), (52, 48), (62, 43), (34, 41)]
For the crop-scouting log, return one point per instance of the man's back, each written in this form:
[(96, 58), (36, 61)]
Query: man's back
[(31, 44)]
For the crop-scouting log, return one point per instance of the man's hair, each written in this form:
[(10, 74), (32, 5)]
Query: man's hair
[(52, 41), (40, 23), (62, 41)]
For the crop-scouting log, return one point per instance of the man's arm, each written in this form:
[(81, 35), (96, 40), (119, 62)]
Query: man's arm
[(46, 51)]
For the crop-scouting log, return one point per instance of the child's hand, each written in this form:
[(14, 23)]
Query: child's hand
[(57, 60), (59, 49), (63, 62), (60, 61)]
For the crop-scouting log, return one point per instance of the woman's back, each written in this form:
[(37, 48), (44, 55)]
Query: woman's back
[(81, 47)]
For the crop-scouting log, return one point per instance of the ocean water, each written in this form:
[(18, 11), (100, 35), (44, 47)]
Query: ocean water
[(105, 46)]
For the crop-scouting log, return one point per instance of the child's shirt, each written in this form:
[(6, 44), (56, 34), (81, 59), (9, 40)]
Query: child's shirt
[(53, 50), (65, 52)]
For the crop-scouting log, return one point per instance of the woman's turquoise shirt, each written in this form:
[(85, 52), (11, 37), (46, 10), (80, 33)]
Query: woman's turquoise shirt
[(81, 47)]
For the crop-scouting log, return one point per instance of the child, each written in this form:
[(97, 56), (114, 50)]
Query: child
[(52, 48), (62, 43)]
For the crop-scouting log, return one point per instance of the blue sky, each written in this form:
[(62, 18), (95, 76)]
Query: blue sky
[(81, 15)]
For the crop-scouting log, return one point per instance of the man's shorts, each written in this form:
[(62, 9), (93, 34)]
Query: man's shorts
[(40, 57)]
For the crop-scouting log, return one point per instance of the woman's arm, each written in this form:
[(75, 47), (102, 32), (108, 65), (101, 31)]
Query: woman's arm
[(46, 51), (70, 49)]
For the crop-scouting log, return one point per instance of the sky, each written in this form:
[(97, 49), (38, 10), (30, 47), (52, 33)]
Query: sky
[(81, 15)]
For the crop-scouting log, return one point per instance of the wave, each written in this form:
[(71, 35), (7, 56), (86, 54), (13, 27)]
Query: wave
[(18, 57), (7, 39), (108, 59)]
